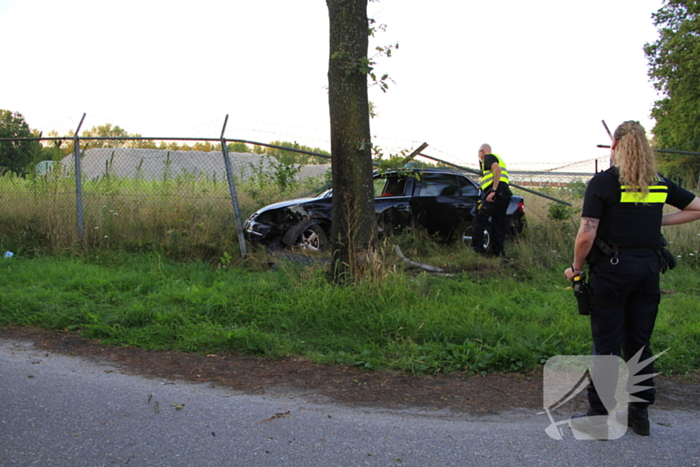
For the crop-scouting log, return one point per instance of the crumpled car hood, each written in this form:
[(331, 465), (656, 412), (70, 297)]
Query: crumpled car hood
[(285, 204)]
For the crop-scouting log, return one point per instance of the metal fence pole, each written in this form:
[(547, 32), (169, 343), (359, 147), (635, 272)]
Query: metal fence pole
[(477, 172), (78, 182), (232, 190)]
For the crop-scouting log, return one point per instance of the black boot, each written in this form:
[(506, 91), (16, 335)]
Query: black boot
[(636, 417), (592, 422)]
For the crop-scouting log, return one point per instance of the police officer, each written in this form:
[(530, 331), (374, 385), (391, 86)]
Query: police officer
[(496, 194), (619, 237)]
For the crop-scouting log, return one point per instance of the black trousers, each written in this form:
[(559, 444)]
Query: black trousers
[(625, 304), (496, 211)]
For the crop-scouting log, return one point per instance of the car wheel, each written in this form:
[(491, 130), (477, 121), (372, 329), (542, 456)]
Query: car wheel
[(467, 237), (312, 238), (487, 238), (516, 227)]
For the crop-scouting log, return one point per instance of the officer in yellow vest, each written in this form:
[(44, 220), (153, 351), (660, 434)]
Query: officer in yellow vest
[(620, 239), (496, 194)]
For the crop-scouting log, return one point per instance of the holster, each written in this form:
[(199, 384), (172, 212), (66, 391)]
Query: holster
[(666, 259)]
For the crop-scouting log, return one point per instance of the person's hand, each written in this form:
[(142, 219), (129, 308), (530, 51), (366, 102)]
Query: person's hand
[(491, 196), (569, 273)]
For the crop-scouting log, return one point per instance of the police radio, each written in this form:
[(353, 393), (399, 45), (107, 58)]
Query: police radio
[(581, 293)]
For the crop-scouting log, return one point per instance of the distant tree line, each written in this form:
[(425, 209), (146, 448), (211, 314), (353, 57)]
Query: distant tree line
[(674, 68), (17, 156)]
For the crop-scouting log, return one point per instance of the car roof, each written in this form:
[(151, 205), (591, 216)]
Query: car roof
[(426, 170)]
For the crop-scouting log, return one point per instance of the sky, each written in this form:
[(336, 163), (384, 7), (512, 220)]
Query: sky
[(534, 79)]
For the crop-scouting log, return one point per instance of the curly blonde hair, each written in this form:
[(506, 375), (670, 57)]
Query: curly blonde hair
[(634, 157)]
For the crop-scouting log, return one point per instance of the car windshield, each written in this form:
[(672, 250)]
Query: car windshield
[(385, 185), (429, 185), (325, 194)]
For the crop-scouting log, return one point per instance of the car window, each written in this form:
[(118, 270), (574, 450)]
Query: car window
[(392, 185), (468, 188), (438, 185), (379, 184)]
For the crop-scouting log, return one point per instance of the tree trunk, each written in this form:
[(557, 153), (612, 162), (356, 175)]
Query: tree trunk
[(353, 193)]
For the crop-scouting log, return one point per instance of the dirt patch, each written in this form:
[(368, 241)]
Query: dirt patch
[(489, 394)]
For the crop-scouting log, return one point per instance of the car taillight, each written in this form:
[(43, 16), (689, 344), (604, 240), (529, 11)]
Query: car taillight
[(521, 207)]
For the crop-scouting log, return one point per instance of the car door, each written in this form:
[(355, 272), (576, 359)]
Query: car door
[(392, 193), (469, 195), (442, 201)]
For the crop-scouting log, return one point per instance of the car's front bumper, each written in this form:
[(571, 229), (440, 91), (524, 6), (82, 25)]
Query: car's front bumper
[(256, 231)]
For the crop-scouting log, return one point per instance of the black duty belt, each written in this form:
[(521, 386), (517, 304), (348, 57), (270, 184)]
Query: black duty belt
[(632, 248), (666, 259), (611, 250)]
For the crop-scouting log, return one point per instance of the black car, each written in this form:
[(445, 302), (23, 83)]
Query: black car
[(440, 200)]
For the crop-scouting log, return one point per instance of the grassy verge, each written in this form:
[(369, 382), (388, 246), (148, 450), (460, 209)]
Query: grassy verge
[(486, 316)]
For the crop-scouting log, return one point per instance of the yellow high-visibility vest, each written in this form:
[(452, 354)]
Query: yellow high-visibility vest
[(487, 175)]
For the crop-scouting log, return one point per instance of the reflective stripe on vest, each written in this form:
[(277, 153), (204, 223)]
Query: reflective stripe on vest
[(487, 177), (636, 220), (657, 195)]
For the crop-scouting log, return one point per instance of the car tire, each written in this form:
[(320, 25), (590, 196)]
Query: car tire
[(515, 228), (465, 236), (312, 238), (487, 237)]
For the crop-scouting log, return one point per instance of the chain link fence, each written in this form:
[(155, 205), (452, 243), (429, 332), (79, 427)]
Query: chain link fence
[(187, 202), (112, 193), (553, 193)]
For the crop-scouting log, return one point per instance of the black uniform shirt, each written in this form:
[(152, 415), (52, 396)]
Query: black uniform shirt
[(602, 201), (489, 160)]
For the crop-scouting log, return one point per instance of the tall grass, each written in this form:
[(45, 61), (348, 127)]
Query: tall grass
[(159, 275), (183, 216), (484, 316)]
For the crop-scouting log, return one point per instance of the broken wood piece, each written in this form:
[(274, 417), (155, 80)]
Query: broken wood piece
[(427, 267)]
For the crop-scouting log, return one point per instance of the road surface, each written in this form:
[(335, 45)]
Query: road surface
[(63, 411)]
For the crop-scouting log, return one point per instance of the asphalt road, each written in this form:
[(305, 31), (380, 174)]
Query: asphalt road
[(57, 410)]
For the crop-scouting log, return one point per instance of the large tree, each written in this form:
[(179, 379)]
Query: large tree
[(353, 195), (17, 156), (674, 68)]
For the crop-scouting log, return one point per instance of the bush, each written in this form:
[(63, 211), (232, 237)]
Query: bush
[(561, 212)]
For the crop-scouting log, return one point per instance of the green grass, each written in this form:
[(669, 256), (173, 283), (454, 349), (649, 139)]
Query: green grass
[(181, 216), (159, 269), (489, 317)]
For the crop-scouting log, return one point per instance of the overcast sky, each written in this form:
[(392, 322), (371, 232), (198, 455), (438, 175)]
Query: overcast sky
[(534, 79)]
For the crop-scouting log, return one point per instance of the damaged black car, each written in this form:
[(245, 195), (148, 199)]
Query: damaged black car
[(441, 201)]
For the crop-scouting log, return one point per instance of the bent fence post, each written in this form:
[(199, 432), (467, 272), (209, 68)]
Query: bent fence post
[(467, 169), (78, 183), (232, 191)]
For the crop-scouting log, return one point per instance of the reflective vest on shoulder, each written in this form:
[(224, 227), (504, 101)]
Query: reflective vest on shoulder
[(487, 175), (636, 220)]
